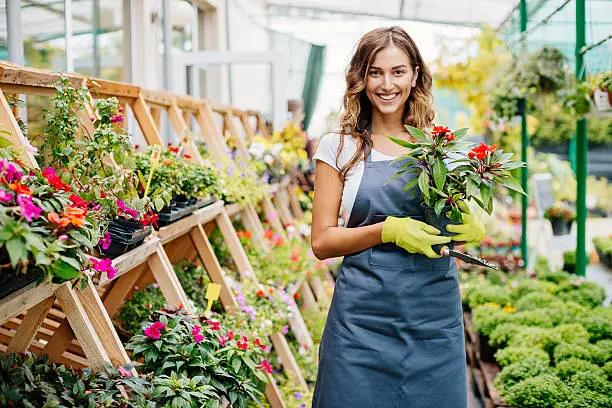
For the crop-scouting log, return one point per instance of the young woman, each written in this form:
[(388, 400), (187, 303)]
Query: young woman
[(394, 333)]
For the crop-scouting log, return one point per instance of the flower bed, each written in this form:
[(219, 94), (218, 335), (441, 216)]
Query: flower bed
[(550, 335)]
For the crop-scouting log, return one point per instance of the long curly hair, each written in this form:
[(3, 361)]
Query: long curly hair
[(356, 115)]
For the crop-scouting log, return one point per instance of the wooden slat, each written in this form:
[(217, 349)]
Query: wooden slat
[(128, 261), (209, 213), (233, 243), (308, 300), (82, 327), (166, 279), (146, 122), (25, 80), (273, 394), (288, 360), (273, 216), (24, 299), (215, 272), (160, 98), (318, 289), (233, 209), (106, 88), (294, 202), (29, 326), (156, 115)]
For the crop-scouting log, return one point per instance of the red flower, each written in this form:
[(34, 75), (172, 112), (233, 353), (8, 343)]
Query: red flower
[(214, 325), (438, 130), (173, 149), (296, 295), (450, 136), (222, 340), (261, 293), (269, 233), (230, 335), (261, 346), (54, 180), (78, 201), (55, 218), (279, 242), (187, 156), (243, 234), (482, 151), (265, 366), (102, 194), (149, 218), (243, 346), (295, 257)]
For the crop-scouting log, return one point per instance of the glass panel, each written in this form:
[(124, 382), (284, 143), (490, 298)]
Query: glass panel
[(43, 34)]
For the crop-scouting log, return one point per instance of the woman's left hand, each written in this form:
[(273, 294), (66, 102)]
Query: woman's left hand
[(470, 230)]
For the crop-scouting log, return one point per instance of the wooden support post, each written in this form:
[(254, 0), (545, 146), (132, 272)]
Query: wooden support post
[(273, 216), (62, 337), (273, 394), (294, 202), (308, 300), (166, 278), (287, 359), (299, 328), (319, 290), (156, 115), (103, 325), (29, 326), (146, 122), (122, 287), (82, 327), (215, 272), (182, 130), (233, 242)]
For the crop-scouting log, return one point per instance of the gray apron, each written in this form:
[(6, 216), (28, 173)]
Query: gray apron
[(394, 334)]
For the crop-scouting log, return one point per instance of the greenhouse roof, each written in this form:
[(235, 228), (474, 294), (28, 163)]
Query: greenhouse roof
[(455, 12)]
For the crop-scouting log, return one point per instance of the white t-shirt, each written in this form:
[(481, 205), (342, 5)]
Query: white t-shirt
[(327, 151)]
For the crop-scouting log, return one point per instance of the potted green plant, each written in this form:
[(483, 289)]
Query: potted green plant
[(569, 261), (46, 230), (561, 219), (448, 170), (576, 100), (602, 93), (603, 247)]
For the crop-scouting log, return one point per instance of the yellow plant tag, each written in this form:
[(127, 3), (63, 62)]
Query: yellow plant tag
[(155, 155), (212, 293)]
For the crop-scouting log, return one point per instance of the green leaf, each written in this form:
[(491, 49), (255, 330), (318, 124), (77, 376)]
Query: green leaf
[(423, 181), (485, 194), (439, 173), (470, 188), (403, 143), (418, 134), (460, 133), (34, 240), (80, 238), (513, 184), (159, 203), (71, 261), (17, 250), (439, 206), (64, 271), (396, 175), (236, 364)]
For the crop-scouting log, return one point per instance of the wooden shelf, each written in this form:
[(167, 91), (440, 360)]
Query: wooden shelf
[(233, 209), (131, 259), (184, 226)]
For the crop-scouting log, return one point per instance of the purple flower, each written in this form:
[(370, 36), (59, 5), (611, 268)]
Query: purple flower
[(240, 298), (298, 395), (266, 177), (28, 210), (5, 196), (303, 406), (105, 241), (285, 329), (63, 237)]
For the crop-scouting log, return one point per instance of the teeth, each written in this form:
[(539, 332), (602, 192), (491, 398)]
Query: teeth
[(388, 97)]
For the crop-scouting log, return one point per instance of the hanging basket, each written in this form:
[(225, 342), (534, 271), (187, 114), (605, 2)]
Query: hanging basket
[(560, 227)]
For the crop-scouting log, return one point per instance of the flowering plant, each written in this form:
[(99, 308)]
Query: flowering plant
[(450, 170), (560, 213), (44, 227), (176, 343)]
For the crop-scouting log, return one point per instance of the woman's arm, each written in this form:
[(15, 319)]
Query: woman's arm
[(327, 239)]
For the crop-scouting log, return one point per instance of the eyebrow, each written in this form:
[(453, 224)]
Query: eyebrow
[(395, 67)]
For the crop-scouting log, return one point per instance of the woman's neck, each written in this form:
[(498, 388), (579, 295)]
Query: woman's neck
[(387, 124)]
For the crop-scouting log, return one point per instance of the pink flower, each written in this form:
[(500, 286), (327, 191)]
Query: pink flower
[(230, 335), (105, 241), (265, 366), (28, 210), (63, 237), (285, 329), (104, 265), (258, 343), (124, 372), (222, 340), (195, 332), (5, 196), (159, 326), (214, 325), (124, 209), (154, 330), (8, 172)]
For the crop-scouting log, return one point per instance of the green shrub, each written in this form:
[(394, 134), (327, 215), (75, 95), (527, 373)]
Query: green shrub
[(606, 348), (572, 333), (598, 323), (588, 294), (554, 277), (572, 311), (502, 334), (536, 318), (543, 391), (586, 399), (519, 371), (568, 368), (511, 355), (608, 369), (541, 266), (489, 294), (535, 300), (546, 339), (589, 352), (498, 278), (486, 318), (569, 257), (526, 286), (592, 381)]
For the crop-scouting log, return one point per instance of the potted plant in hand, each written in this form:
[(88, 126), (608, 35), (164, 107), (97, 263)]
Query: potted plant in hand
[(447, 171), (561, 219)]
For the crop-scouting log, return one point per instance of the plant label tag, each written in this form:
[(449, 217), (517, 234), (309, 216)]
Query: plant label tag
[(212, 293)]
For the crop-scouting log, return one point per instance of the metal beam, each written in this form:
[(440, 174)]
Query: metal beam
[(581, 146), (524, 146)]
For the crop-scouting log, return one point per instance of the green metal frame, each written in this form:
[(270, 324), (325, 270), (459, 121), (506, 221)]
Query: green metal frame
[(524, 146), (581, 146)]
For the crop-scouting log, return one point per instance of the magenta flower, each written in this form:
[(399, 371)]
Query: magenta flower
[(28, 210), (124, 209), (154, 330), (5, 196), (214, 325), (104, 265), (8, 172), (285, 329), (105, 241), (197, 336), (124, 372)]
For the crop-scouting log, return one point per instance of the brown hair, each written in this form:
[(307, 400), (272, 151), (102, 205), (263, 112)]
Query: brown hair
[(356, 115)]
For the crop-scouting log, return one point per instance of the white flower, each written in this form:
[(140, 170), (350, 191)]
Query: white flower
[(276, 148), (257, 149), (268, 159)]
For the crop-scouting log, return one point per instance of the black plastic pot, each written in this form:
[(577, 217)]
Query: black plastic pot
[(440, 222), (125, 236), (11, 281), (569, 268), (486, 352), (560, 227)]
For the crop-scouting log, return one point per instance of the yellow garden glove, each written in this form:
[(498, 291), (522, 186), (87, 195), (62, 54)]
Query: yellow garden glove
[(470, 230), (414, 236)]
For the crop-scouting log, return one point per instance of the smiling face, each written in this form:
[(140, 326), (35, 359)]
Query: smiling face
[(390, 80)]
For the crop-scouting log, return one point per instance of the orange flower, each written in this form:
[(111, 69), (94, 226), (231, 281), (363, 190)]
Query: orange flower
[(75, 214), (167, 162), (261, 293), (20, 188), (269, 234), (55, 218)]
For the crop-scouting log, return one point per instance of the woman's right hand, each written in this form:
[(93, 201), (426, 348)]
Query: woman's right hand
[(414, 236)]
